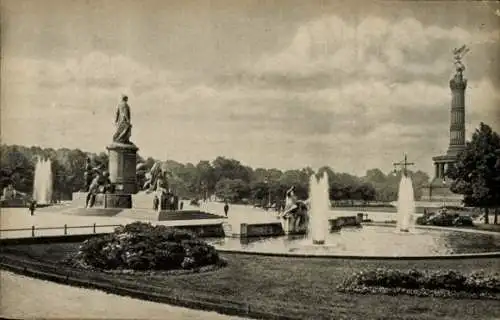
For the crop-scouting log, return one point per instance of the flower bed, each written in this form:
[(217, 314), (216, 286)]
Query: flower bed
[(143, 247), (443, 284)]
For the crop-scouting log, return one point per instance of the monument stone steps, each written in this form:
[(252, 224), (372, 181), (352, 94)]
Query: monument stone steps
[(166, 215), (99, 212)]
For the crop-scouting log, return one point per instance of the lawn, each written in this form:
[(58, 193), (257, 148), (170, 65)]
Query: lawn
[(300, 288)]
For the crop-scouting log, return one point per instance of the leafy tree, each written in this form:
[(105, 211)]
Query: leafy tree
[(420, 179), (366, 192), (230, 169), (476, 173), (259, 191), (71, 172), (17, 167), (233, 190), (206, 178), (297, 178), (375, 176), (329, 172), (260, 174)]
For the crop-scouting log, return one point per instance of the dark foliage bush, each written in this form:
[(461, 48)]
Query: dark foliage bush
[(142, 246), (423, 283)]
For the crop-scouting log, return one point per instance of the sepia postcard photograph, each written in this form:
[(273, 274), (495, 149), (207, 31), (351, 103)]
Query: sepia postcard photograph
[(249, 159)]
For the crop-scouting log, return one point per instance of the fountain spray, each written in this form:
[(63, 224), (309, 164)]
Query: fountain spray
[(406, 201), (318, 208), (42, 184)]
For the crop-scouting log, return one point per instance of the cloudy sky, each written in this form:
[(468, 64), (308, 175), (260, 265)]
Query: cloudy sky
[(271, 83)]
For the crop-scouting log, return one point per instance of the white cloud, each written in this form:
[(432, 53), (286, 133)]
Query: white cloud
[(482, 105), (330, 43), (361, 122)]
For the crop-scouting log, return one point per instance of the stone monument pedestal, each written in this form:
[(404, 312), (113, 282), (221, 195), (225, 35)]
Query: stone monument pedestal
[(122, 173), (104, 200), (118, 200), (122, 166)]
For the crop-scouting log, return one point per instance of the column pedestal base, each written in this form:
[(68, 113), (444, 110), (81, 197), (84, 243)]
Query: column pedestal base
[(116, 200), (122, 167)]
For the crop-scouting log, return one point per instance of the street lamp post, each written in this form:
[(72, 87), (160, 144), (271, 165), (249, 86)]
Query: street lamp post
[(404, 166), (266, 181), (269, 195)]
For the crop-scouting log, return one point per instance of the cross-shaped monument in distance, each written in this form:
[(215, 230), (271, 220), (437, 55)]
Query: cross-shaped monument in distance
[(404, 165)]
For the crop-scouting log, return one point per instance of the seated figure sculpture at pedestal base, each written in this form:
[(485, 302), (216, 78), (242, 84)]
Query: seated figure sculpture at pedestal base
[(100, 184), (12, 197), (157, 182), (295, 214)]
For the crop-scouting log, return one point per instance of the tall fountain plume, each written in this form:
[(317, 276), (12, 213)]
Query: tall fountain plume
[(319, 205), (406, 204), (42, 188)]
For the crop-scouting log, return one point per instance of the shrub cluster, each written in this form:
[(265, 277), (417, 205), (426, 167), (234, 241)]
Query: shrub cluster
[(423, 283), (142, 246)]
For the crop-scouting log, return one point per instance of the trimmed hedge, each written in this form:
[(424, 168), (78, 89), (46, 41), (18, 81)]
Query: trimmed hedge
[(443, 284), (142, 246)]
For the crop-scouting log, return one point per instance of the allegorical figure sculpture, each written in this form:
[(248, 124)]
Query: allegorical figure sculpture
[(157, 182), (290, 200), (10, 193), (87, 175), (90, 172), (122, 122), (458, 55), (295, 210), (100, 184)]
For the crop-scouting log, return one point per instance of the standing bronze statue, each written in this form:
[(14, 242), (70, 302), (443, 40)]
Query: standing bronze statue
[(122, 122)]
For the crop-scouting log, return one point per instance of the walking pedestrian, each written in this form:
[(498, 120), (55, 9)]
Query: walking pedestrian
[(226, 208), (32, 207)]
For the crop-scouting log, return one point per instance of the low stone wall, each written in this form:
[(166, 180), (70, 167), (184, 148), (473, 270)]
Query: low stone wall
[(261, 230), (12, 203), (272, 229), (205, 230), (94, 211), (49, 239), (349, 221), (214, 230), (166, 215)]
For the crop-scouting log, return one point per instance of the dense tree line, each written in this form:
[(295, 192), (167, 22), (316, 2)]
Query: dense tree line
[(18, 167), (225, 178), (476, 174)]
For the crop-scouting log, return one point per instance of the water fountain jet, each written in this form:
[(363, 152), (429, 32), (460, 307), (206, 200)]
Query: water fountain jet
[(42, 185), (319, 204), (406, 204), (406, 201)]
